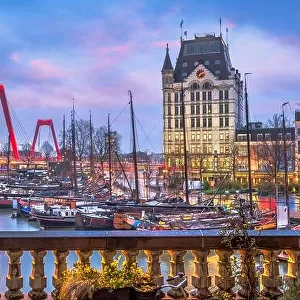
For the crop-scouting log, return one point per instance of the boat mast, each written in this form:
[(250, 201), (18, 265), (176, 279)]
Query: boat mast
[(64, 137), (92, 147), (8, 159), (134, 150), (74, 151), (109, 154), (248, 146)]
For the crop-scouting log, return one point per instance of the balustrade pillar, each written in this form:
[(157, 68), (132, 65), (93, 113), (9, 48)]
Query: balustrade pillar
[(271, 279), (248, 280), (224, 279), (153, 264), (107, 257), (60, 265), (293, 270), (200, 278), (130, 256), (84, 256), (176, 266), (14, 279), (37, 279)]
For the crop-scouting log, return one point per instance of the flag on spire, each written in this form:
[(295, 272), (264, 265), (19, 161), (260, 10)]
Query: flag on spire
[(181, 23)]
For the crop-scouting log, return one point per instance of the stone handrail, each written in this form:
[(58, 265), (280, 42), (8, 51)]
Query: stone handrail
[(176, 243)]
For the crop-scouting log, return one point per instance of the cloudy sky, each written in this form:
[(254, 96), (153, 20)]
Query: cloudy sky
[(91, 52)]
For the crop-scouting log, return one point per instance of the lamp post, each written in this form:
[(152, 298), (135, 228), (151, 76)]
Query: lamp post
[(248, 146), (185, 146), (286, 183)]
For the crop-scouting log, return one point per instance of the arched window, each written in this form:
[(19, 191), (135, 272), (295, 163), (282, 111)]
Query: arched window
[(207, 85), (195, 86)]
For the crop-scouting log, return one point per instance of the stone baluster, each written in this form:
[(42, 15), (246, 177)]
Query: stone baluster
[(200, 278), (271, 279), (37, 279), (153, 265), (130, 256), (107, 257), (176, 266), (293, 270), (14, 279), (249, 277), (224, 279), (60, 265), (84, 256)]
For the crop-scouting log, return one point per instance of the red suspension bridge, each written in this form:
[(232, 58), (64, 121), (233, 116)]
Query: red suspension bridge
[(13, 143)]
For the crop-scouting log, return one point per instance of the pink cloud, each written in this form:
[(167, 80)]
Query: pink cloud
[(103, 57), (163, 44), (15, 57), (229, 23), (45, 69)]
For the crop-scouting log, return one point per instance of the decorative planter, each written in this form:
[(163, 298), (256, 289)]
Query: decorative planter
[(153, 294), (118, 294)]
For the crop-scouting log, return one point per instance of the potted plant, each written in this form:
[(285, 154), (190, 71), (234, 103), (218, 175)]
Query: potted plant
[(145, 288), (84, 282)]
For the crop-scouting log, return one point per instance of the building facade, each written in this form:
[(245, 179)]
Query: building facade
[(267, 154), (203, 97)]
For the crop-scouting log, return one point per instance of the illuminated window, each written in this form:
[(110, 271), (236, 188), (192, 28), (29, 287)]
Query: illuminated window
[(209, 137), (204, 137)]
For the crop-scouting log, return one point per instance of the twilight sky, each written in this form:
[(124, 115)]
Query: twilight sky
[(94, 51)]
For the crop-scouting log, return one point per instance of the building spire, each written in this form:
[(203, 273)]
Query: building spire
[(167, 63)]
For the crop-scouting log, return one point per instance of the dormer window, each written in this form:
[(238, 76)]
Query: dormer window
[(184, 64), (206, 63)]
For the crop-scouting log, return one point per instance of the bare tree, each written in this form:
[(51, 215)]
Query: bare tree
[(47, 150), (100, 139), (270, 152), (26, 154)]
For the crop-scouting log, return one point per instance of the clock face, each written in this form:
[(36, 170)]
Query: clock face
[(200, 73)]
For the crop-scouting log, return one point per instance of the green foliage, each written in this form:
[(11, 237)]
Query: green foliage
[(221, 295), (82, 281), (292, 291)]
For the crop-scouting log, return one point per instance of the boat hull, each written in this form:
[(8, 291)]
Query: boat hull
[(93, 222), (56, 222)]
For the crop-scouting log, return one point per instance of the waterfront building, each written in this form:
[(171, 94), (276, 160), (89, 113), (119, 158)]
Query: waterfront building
[(208, 92), (267, 153)]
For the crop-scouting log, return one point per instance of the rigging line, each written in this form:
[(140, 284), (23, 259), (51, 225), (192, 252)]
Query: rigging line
[(147, 136), (18, 126), (119, 114)]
